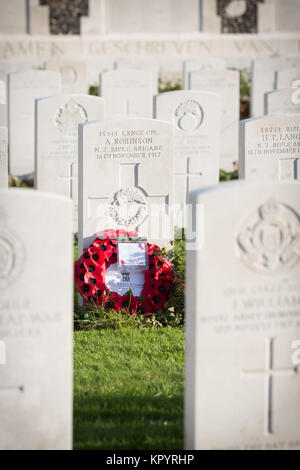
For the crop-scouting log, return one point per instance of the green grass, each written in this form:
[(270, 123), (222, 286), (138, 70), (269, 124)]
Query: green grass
[(129, 389)]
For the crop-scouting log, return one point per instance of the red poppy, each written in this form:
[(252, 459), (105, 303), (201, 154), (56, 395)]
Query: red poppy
[(90, 272)]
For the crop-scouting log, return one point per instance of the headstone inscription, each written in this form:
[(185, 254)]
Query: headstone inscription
[(270, 147), (196, 118), (56, 142), (284, 101), (23, 88), (3, 158), (126, 178), (127, 93), (36, 321), (244, 314), (227, 84)]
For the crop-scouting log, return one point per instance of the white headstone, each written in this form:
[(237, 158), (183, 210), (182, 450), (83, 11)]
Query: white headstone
[(3, 158), (227, 84), (3, 103), (127, 93), (97, 66), (201, 63), (57, 119), (196, 118), (270, 147), (242, 389), (23, 89), (285, 101), (36, 310), (73, 75), (126, 178), (263, 79), (140, 64), (287, 78)]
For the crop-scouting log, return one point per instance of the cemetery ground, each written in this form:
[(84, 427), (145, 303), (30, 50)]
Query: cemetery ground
[(128, 375)]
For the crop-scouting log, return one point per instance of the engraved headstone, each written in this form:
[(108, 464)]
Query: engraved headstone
[(196, 117), (140, 64), (23, 89), (73, 75), (126, 178), (127, 93), (57, 119), (36, 311), (242, 318), (287, 78), (285, 101), (201, 63), (270, 147), (227, 84), (3, 158), (263, 78)]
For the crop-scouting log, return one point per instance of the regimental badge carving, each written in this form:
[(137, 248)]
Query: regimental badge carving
[(189, 115), (68, 116), (128, 207), (11, 254), (269, 241)]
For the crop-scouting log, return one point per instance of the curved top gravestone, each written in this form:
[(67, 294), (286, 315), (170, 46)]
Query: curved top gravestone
[(242, 388), (36, 309)]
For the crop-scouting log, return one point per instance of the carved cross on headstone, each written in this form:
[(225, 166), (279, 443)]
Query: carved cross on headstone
[(128, 112), (289, 169), (64, 15), (268, 374), (187, 176), (71, 179), (129, 206)]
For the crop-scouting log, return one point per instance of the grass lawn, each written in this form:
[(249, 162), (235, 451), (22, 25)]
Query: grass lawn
[(129, 389)]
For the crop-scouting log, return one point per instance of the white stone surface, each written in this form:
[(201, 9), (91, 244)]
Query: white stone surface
[(242, 390), (270, 147), (140, 64), (23, 89), (73, 75), (126, 178), (128, 16), (285, 101), (263, 78), (95, 67), (3, 102), (201, 63), (13, 17), (196, 117), (127, 93), (36, 313), (3, 158), (162, 47), (56, 158), (287, 78), (39, 18), (226, 83)]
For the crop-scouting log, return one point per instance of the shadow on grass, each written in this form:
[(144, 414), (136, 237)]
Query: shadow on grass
[(128, 422)]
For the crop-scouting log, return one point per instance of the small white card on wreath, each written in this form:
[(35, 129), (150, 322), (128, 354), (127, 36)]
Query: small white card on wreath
[(133, 254)]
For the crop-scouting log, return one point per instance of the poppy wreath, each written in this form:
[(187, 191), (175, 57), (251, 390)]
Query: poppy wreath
[(90, 273)]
